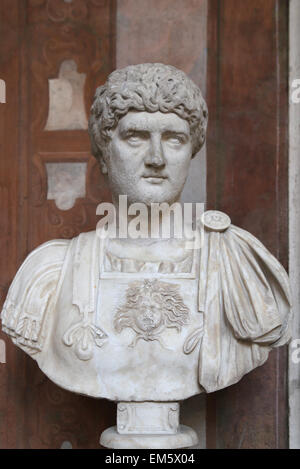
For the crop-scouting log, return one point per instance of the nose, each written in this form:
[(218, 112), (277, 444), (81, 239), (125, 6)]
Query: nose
[(155, 154)]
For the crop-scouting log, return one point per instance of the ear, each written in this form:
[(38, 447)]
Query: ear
[(104, 156), (103, 166)]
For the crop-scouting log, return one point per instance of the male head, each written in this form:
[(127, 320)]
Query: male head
[(146, 123)]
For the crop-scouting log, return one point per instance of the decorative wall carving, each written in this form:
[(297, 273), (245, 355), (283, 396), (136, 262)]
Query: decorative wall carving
[(66, 104), (66, 183), (74, 206), (59, 11)]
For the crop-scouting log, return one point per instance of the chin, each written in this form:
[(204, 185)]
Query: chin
[(153, 199), (150, 194)]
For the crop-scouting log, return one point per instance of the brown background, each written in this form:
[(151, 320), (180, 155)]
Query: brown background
[(246, 162)]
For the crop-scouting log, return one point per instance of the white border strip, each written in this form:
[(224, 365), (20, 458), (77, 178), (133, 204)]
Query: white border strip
[(294, 221)]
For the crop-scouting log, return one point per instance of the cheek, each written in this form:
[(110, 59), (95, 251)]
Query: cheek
[(179, 164), (115, 156), (124, 159)]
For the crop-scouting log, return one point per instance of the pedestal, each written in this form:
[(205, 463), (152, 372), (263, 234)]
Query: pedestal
[(148, 425)]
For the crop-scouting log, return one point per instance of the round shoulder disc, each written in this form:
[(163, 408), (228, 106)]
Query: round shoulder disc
[(215, 220)]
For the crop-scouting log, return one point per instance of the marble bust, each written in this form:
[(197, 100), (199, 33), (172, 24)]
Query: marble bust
[(147, 322)]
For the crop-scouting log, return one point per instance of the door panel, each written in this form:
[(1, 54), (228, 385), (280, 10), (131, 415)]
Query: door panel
[(247, 157)]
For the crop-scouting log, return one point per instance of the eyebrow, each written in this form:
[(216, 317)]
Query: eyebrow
[(132, 128), (176, 132), (141, 128)]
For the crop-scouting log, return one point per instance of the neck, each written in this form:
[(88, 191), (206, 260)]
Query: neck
[(142, 221)]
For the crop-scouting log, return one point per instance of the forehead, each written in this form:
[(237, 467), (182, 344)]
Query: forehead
[(153, 121)]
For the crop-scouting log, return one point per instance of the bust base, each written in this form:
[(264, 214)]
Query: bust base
[(184, 438)]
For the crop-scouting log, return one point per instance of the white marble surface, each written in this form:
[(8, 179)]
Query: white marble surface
[(159, 418), (184, 438)]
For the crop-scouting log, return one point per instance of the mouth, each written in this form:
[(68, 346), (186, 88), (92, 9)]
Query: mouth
[(154, 178)]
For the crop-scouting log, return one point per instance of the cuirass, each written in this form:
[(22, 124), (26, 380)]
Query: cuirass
[(142, 340)]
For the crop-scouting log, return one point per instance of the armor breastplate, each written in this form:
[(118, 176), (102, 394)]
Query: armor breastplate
[(149, 312), (142, 340)]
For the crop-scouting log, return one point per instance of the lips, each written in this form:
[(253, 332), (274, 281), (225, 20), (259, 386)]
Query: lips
[(154, 178)]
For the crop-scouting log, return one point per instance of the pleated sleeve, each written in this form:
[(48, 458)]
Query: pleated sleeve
[(32, 294)]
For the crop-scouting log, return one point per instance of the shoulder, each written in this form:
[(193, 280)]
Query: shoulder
[(48, 252), (248, 268), (31, 292), (50, 255), (245, 245)]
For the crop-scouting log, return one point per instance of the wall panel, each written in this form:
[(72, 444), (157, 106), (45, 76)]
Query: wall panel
[(247, 161)]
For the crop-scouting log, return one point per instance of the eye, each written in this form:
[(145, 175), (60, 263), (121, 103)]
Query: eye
[(135, 138), (174, 139)]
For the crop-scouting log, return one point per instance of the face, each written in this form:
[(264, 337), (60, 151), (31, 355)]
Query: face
[(148, 157), (149, 316)]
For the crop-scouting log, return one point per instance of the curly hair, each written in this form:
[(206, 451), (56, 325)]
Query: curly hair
[(146, 87)]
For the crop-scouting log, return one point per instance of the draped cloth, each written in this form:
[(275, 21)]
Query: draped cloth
[(245, 298)]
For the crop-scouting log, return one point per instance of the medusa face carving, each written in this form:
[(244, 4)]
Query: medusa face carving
[(151, 306)]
